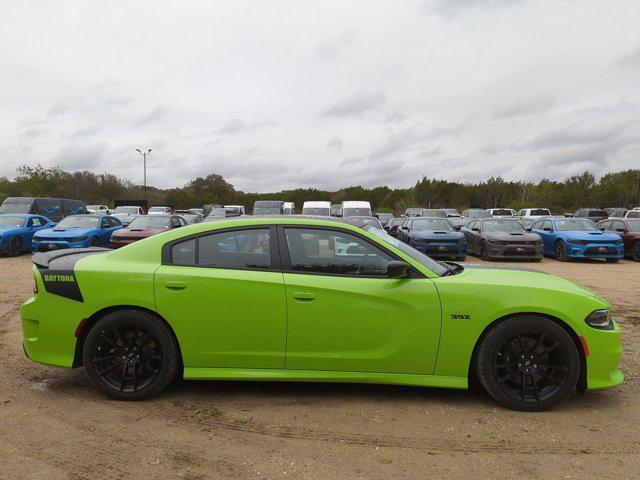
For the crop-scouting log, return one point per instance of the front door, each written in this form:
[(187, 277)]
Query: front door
[(345, 314), (225, 299)]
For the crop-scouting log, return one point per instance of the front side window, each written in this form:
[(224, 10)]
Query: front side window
[(334, 252), (236, 249), (575, 225), (634, 225), (11, 221)]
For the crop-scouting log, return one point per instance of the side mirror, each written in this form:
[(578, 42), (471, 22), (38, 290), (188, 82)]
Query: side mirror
[(621, 230), (397, 269), (547, 229), (602, 228), (457, 228), (528, 229), (476, 229)]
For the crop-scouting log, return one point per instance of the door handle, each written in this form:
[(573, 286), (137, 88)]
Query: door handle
[(175, 285), (304, 296)]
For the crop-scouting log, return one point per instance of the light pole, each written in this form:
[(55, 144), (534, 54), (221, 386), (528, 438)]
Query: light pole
[(144, 160)]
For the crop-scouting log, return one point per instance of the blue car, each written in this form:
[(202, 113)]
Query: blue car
[(17, 230), (436, 237), (567, 238), (77, 231)]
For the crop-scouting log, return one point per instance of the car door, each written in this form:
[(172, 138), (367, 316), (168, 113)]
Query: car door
[(345, 314), (544, 228), (107, 226), (223, 294), (472, 236), (33, 225)]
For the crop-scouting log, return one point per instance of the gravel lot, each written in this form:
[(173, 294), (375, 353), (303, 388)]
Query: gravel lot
[(53, 425)]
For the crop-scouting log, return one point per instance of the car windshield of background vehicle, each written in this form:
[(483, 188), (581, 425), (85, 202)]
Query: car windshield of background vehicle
[(324, 212), (374, 222), (267, 211), (76, 221), (576, 225), (509, 226), (133, 210), (633, 214), (434, 213), (356, 212), (149, 222), (598, 213), (478, 214), (501, 213), (11, 221), (158, 209), (93, 207), (540, 212), (418, 256), (15, 208), (634, 225), (431, 224)]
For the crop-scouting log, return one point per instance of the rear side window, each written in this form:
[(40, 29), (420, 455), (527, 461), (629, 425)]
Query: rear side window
[(184, 253), (334, 253), (237, 249)]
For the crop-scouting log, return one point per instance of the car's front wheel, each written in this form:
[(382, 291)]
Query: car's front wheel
[(484, 253), (528, 363), (94, 242), (15, 247), (130, 355), (561, 252)]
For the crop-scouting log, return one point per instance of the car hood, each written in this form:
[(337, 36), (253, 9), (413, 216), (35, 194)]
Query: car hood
[(507, 237), (436, 234), (595, 236), (524, 277), (64, 232), (138, 232)]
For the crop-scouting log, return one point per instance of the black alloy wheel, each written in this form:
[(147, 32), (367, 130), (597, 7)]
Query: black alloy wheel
[(561, 252), (635, 251), (484, 254), (130, 355), (15, 247), (528, 363)]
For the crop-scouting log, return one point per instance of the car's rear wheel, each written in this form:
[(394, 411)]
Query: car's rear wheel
[(635, 252), (528, 363), (130, 355), (15, 247), (561, 252), (484, 254)]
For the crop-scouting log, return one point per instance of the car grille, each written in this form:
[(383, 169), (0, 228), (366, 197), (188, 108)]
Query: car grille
[(520, 249), (599, 251), (126, 239)]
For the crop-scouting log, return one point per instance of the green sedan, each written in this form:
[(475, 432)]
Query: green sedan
[(299, 299)]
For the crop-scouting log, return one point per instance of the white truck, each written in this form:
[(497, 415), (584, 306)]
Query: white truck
[(317, 209), (356, 209)]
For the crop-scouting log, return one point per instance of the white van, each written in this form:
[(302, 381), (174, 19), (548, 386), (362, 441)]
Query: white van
[(356, 209), (317, 208), (289, 208)]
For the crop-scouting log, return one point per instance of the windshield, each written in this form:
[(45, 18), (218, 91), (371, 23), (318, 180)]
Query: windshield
[(431, 224), (374, 222), (412, 211), (478, 214), (434, 213), (77, 221), (267, 211), (11, 221), (324, 212), (420, 257), (356, 212), (576, 225), (633, 214), (510, 226), (15, 208), (540, 212), (501, 213), (397, 221), (597, 213), (150, 222), (133, 210), (158, 209), (634, 225)]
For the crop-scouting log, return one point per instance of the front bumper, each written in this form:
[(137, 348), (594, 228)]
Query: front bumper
[(117, 243), (46, 245), (515, 250), (441, 249), (594, 250), (605, 350)]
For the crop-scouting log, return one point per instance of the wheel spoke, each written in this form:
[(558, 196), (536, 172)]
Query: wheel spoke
[(149, 368), (107, 339), (539, 343), (103, 359), (124, 374), (552, 348), (535, 386), (523, 386), (507, 377), (551, 377), (520, 343)]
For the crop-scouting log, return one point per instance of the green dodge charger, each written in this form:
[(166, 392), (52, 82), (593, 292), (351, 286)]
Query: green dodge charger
[(300, 299)]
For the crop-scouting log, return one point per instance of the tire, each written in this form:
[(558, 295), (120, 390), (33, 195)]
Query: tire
[(484, 254), (130, 355), (94, 242), (561, 252), (635, 251), (528, 363), (612, 260), (537, 260), (15, 247)]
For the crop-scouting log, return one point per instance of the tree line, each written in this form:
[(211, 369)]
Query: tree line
[(615, 189)]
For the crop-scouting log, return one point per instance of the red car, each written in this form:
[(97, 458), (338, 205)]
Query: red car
[(145, 226), (629, 230)]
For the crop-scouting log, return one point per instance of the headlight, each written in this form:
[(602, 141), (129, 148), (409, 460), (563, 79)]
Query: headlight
[(578, 242), (599, 319), (77, 239)]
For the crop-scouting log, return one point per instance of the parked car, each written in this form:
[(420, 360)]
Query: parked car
[(98, 209), (322, 209), (393, 225), (502, 212), (190, 218), (77, 231), (452, 212), (475, 213), (459, 221), (436, 237), (413, 212), (632, 214), (434, 212), (126, 213), (384, 217), (616, 212), (567, 238), (17, 230), (145, 226), (502, 238), (206, 209), (268, 207), (591, 214), (288, 208), (176, 305), (336, 210), (160, 210), (218, 213), (55, 209), (356, 209), (534, 213), (629, 230)]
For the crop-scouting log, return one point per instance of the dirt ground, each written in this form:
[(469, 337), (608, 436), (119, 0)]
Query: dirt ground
[(53, 425)]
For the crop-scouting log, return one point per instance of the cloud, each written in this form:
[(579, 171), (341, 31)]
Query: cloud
[(335, 143), (630, 60), (356, 104), (157, 114), (80, 156), (579, 135), (334, 48), (235, 126), (449, 8), (526, 107)]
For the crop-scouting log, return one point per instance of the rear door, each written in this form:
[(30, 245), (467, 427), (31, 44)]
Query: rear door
[(345, 314), (223, 294)]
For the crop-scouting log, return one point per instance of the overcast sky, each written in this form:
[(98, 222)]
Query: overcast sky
[(286, 94)]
